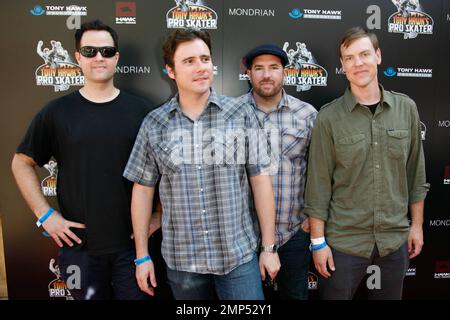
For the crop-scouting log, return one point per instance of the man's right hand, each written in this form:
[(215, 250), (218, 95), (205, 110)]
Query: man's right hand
[(58, 228), (322, 258), (145, 272)]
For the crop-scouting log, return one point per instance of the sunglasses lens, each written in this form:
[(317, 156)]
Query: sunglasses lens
[(108, 52), (88, 52)]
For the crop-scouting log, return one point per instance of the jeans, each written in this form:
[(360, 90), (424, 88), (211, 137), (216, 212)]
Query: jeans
[(103, 277), (295, 257), (350, 270), (242, 283)]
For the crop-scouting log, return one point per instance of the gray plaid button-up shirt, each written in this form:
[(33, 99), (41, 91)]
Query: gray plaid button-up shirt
[(203, 167), (292, 120)]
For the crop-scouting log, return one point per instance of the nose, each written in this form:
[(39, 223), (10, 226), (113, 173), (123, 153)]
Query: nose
[(98, 56), (358, 61)]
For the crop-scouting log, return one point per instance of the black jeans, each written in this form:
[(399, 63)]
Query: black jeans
[(103, 277), (350, 270)]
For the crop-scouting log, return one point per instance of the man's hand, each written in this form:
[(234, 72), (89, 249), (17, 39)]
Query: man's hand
[(415, 241), (145, 276), (323, 258), (58, 228), (269, 262)]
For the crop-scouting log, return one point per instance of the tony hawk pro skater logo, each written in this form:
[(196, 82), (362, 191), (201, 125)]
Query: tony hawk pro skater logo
[(302, 70), (191, 14), (48, 185), (410, 19), (58, 69), (57, 288)]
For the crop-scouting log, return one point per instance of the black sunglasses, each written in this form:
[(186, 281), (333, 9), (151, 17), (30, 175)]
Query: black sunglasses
[(90, 52)]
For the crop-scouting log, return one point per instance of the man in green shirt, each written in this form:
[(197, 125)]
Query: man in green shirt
[(366, 166)]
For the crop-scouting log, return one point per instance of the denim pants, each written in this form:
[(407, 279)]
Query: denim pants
[(350, 271), (292, 279), (103, 277), (242, 283)]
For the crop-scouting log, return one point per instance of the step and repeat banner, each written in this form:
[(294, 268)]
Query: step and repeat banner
[(38, 65)]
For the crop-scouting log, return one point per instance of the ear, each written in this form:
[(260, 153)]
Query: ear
[(170, 72), (249, 74), (77, 56), (117, 57), (378, 55), (342, 64)]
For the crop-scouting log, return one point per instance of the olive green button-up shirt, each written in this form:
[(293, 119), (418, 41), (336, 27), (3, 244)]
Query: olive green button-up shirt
[(364, 170)]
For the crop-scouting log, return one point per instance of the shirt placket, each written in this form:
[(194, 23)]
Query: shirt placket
[(377, 151), (200, 173)]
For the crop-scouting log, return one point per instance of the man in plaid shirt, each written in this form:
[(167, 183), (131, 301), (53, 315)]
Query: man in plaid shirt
[(203, 149), (289, 122)]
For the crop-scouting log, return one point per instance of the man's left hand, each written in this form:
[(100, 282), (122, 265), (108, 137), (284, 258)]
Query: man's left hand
[(269, 262), (415, 241)]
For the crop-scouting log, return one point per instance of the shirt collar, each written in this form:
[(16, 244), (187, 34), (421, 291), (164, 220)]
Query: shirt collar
[(284, 102), (212, 99), (350, 101)]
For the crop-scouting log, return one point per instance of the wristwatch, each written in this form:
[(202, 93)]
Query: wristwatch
[(272, 248)]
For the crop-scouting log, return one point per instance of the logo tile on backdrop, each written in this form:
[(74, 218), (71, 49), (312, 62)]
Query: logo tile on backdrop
[(57, 288), (48, 184), (125, 12), (410, 19), (58, 10), (191, 14), (58, 70)]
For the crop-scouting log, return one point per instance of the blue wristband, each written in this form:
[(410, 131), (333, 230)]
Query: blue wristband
[(42, 219), (318, 247), (142, 260)]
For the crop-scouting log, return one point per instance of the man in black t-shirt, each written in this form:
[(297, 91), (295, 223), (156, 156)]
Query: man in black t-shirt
[(90, 133)]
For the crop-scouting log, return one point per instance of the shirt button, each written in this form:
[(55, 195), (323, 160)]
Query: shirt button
[(196, 145), (204, 211), (375, 143), (206, 232), (373, 121), (377, 166), (199, 167), (201, 190)]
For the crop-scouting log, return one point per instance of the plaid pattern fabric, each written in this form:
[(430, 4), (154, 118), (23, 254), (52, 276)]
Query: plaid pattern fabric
[(294, 120), (203, 167)]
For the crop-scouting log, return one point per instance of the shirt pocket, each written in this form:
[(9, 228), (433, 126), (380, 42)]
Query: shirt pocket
[(398, 143), (170, 154), (351, 150), (294, 143)]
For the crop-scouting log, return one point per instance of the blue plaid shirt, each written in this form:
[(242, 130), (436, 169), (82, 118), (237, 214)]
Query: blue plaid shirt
[(293, 121), (203, 168)]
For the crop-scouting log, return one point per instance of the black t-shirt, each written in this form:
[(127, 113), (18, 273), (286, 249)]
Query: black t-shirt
[(372, 107), (91, 143)]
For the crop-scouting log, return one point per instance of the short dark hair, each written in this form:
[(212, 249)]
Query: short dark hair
[(355, 33), (95, 25), (179, 36)]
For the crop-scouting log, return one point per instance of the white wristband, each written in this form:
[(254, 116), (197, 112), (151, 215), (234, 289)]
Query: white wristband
[(317, 241)]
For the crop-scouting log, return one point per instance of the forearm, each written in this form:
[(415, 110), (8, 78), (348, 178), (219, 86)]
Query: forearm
[(265, 207), (317, 227), (141, 213), (23, 168), (416, 210)]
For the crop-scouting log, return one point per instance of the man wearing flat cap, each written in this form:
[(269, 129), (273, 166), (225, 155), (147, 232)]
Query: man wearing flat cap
[(288, 123)]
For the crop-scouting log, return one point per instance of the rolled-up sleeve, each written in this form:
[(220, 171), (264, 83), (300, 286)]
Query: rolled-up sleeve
[(415, 166), (321, 163)]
